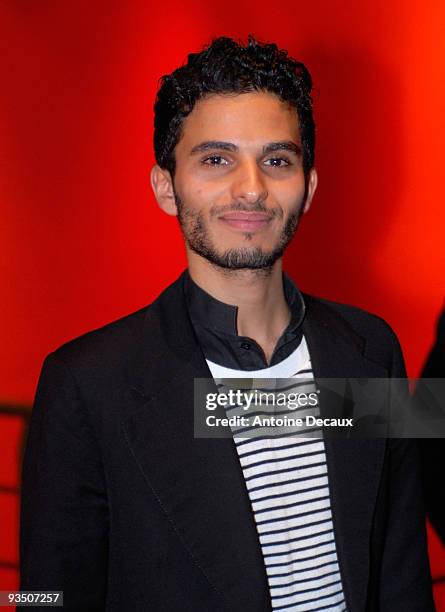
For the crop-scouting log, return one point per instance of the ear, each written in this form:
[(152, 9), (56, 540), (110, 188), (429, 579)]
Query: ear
[(312, 182), (162, 185)]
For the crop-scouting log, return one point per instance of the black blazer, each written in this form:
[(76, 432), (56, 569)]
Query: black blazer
[(123, 509)]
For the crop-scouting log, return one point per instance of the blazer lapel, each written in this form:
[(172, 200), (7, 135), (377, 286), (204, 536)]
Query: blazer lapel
[(198, 482), (354, 466)]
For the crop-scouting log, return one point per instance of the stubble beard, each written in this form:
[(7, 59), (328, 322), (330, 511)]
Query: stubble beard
[(196, 235)]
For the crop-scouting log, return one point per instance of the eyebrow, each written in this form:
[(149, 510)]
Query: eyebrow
[(229, 146), (214, 144), (282, 146)]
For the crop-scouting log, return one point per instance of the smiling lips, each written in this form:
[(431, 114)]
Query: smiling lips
[(246, 221)]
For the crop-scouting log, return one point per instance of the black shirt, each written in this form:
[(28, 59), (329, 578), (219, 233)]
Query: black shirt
[(215, 325)]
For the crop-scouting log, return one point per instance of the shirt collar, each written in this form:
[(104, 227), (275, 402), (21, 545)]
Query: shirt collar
[(220, 317)]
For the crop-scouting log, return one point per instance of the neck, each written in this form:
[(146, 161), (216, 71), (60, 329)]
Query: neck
[(263, 313)]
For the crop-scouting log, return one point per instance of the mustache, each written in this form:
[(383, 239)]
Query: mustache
[(242, 206)]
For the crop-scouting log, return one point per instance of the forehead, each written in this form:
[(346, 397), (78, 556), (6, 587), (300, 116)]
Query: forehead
[(247, 118)]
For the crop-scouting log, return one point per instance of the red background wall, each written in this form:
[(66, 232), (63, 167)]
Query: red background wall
[(82, 241)]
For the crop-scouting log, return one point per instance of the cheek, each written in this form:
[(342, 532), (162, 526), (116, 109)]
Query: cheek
[(290, 201), (199, 195), (189, 193), (290, 198)]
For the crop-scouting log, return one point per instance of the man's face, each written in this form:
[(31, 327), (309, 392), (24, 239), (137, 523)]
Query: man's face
[(239, 184)]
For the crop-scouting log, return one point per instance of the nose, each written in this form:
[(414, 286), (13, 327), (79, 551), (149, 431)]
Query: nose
[(249, 185)]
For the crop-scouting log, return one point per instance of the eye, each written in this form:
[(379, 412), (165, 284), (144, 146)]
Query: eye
[(215, 160), (277, 162)]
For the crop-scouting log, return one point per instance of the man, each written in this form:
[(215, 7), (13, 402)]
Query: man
[(122, 507), (432, 450)]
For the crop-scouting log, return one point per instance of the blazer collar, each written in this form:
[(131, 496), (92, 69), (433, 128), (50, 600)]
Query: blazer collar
[(168, 343), (199, 482)]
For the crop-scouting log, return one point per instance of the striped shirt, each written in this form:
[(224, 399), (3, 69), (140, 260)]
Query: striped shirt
[(287, 482)]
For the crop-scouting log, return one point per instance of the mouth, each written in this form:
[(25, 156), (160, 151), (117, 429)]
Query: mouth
[(246, 221)]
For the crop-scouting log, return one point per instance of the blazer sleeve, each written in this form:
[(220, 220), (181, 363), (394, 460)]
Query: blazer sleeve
[(64, 511), (405, 573)]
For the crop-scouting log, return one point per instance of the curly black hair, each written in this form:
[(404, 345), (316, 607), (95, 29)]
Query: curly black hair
[(226, 66)]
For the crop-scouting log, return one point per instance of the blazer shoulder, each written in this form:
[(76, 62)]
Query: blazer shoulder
[(106, 344), (363, 322), (380, 340), (103, 355)]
